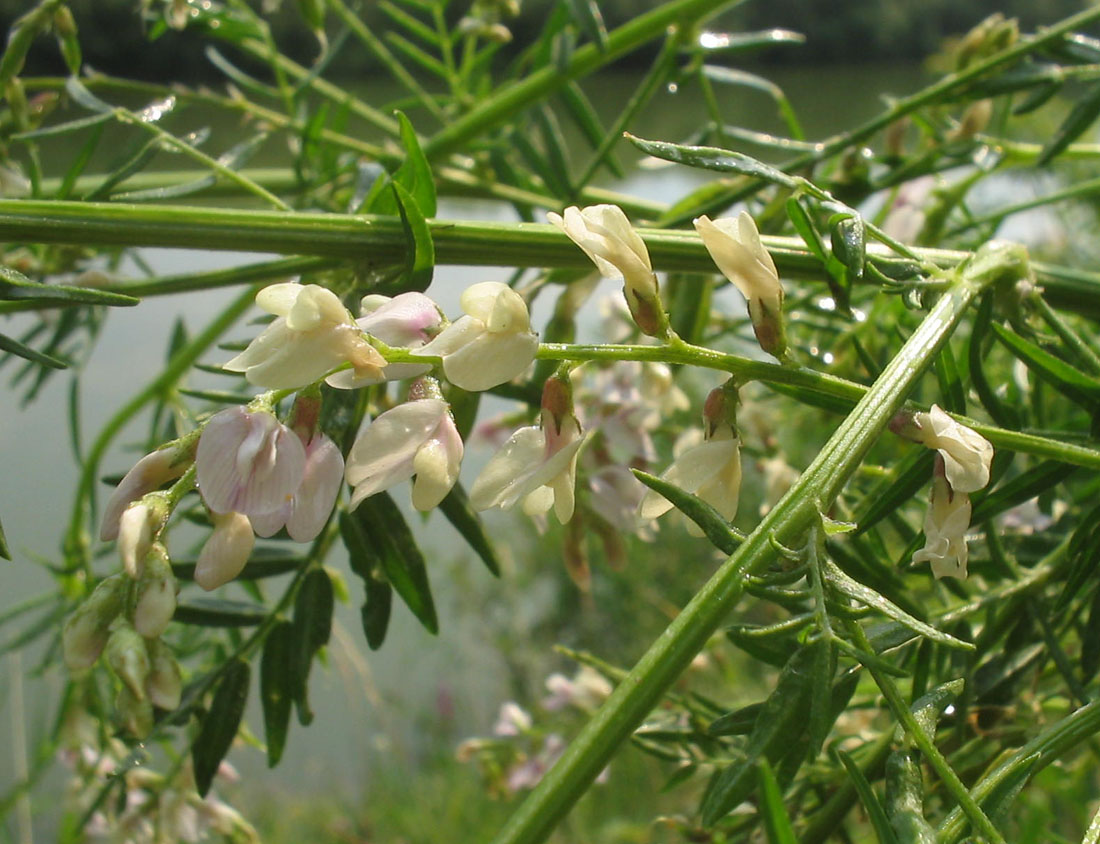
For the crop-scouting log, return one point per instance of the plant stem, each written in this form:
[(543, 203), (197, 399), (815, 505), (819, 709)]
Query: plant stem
[(509, 100), (786, 523)]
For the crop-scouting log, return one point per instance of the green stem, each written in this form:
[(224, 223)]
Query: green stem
[(967, 804), (786, 523), (509, 100), (76, 540)]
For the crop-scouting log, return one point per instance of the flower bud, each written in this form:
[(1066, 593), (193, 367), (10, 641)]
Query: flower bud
[(147, 475), (138, 527), (135, 713), (86, 631), (129, 658), (164, 685), (156, 591), (226, 551)]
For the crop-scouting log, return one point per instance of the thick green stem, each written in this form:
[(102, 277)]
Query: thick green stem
[(666, 659)]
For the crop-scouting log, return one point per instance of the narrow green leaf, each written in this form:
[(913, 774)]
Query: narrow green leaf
[(218, 612), (1076, 123), (82, 96), (220, 724), (555, 180), (713, 158), (1076, 385), (1011, 782), (1036, 98), (735, 76), (771, 649), (1083, 557), (5, 552), (411, 24), (367, 563), (905, 798), (399, 557), (456, 507), (584, 115), (952, 390), (821, 716), (910, 474), (237, 76), (1003, 414), (79, 162), (139, 155), (414, 54), (65, 128), (876, 814), (587, 15), (14, 347), (1090, 641), (1023, 487), (739, 722), (804, 225), (777, 823), (276, 689), (553, 141), (419, 248), (415, 174), (846, 585), (313, 608), (724, 537), (15, 285)]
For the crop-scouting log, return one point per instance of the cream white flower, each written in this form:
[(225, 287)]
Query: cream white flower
[(248, 462), (491, 344), (606, 236), (227, 550), (734, 245), (406, 321), (945, 526), (966, 453), (314, 334), (417, 438), (137, 527), (537, 465), (711, 471)]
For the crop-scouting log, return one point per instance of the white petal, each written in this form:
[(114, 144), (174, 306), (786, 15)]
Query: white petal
[(478, 300), (279, 298), (226, 551), (459, 333), (392, 439), (502, 481), (509, 314), (690, 471), (490, 360)]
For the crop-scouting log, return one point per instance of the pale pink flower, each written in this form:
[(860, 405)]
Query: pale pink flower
[(512, 720), (406, 321), (538, 466), (417, 438), (313, 335), (586, 690), (491, 344), (226, 552), (148, 474), (247, 462), (305, 514)]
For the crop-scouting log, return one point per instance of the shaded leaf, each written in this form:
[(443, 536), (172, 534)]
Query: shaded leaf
[(1076, 123), (218, 612), (724, 537), (313, 608), (777, 823), (910, 473), (587, 15), (1023, 487), (876, 814), (276, 689), (220, 724), (419, 249)]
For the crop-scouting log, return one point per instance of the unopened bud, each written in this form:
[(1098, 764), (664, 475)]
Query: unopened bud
[(86, 631), (164, 685), (135, 537), (147, 475), (134, 713), (226, 551), (129, 658), (557, 401), (648, 312), (720, 411), (156, 601), (974, 120)]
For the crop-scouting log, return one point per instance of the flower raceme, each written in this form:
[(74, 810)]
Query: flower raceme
[(945, 526), (606, 236), (417, 438), (734, 245), (313, 334), (491, 344)]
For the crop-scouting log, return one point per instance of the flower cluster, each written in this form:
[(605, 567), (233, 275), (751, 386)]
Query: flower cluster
[(962, 466)]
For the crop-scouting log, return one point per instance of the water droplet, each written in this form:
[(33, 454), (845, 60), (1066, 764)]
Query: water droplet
[(949, 709), (673, 87), (827, 303), (828, 357), (155, 111), (858, 315), (713, 40)]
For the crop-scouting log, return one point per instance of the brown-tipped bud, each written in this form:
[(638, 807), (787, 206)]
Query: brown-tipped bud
[(769, 327), (129, 658), (648, 312), (305, 415), (557, 402), (135, 714), (86, 631), (156, 594), (164, 685), (720, 410)]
